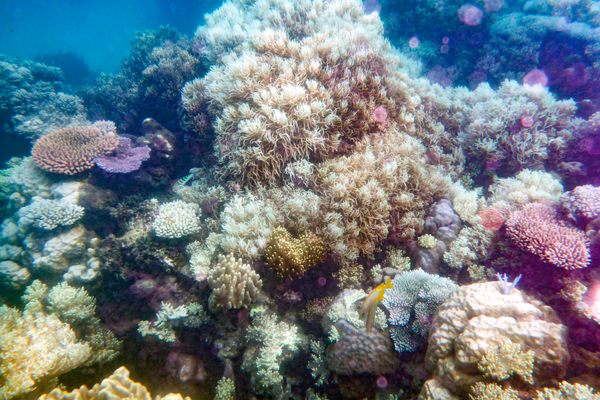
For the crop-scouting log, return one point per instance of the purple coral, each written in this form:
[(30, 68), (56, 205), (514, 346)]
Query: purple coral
[(125, 158)]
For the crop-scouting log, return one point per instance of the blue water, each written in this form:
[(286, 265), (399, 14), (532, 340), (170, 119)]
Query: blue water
[(307, 200)]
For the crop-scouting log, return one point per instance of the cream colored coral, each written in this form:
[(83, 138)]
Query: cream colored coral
[(118, 386), (176, 219), (35, 348), (477, 319), (526, 187), (233, 283), (507, 358)]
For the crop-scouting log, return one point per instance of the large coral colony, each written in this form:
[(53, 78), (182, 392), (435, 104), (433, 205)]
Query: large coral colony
[(284, 207)]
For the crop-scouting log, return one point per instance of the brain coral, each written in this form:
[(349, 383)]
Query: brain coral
[(72, 149), (478, 318), (116, 386)]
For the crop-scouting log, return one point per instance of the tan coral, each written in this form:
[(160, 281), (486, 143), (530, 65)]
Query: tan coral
[(35, 348), (115, 387), (233, 283), (292, 257), (479, 318)]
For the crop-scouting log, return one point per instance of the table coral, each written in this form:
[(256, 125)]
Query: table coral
[(537, 229), (72, 150), (289, 256)]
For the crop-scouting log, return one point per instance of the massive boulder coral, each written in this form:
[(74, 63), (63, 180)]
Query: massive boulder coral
[(72, 150), (479, 318), (291, 90), (117, 386)]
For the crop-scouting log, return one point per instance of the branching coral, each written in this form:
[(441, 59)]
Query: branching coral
[(537, 229), (271, 342), (527, 186), (411, 303), (233, 283), (50, 214), (292, 257), (168, 317), (176, 219), (506, 359), (72, 150)]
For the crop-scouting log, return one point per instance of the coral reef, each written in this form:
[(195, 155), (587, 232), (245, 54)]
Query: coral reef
[(118, 385), (233, 283), (176, 219), (289, 256), (411, 304), (479, 318), (72, 150)]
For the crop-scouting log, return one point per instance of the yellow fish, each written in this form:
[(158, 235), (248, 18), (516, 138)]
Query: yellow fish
[(370, 304)]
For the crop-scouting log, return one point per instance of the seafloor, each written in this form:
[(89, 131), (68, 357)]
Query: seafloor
[(309, 200)]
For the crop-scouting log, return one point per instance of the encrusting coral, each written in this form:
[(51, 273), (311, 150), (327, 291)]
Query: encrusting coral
[(233, 283), (117, 386), (292, 257)]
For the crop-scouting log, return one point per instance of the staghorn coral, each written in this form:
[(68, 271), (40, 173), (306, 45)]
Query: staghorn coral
[(50, 214), (411, 303), (291, 90), (176, 219), (292, 257), (537, 229), (116, 386), (169, 317), (233, 283), (72, 150)]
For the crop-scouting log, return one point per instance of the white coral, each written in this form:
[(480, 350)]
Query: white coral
[(177, 219), (50, 214)]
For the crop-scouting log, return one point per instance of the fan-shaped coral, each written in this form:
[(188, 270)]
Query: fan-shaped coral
[(72, 150)]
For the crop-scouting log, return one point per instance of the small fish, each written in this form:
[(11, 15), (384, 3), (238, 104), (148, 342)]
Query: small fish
[(370, 304), (181, 182)]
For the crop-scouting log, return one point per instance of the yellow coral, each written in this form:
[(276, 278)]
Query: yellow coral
[(115, 387), (492, 391), (289, 256), (506, 359), (34, 349)]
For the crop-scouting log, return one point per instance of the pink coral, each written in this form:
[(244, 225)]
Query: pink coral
[(582, 202), (72, 149), (537, 229)]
